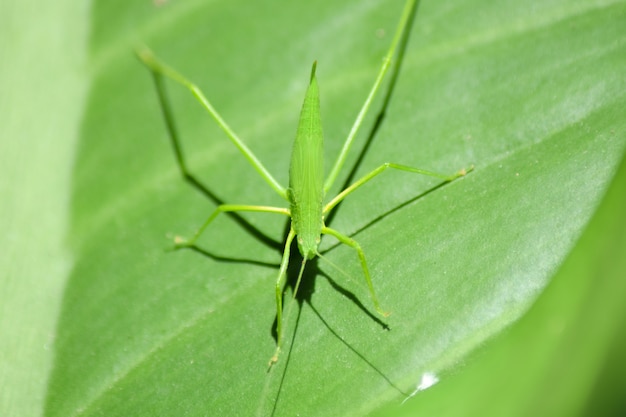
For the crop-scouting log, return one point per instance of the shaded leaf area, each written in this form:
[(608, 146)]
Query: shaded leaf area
[(530, 96)]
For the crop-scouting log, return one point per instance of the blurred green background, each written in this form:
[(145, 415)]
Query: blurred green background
[(507, 285)]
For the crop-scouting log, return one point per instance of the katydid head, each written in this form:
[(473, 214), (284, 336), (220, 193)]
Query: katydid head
[(308, 247)]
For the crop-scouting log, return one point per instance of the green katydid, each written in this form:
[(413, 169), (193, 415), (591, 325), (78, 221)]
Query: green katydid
[(307, 187)]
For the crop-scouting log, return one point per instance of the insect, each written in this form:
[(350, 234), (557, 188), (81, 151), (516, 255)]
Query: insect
[(306, 193)]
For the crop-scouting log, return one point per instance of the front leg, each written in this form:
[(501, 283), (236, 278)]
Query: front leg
[(279, 295), (354, 244)]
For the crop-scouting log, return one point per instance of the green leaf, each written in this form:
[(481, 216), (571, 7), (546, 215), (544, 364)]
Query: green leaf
[(565, 357), (532, 95)]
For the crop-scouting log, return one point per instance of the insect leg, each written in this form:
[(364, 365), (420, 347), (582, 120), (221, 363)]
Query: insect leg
[(446, 178), (159, 68), (353, 244), (279, 295), (180, 242), (408, 14)]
